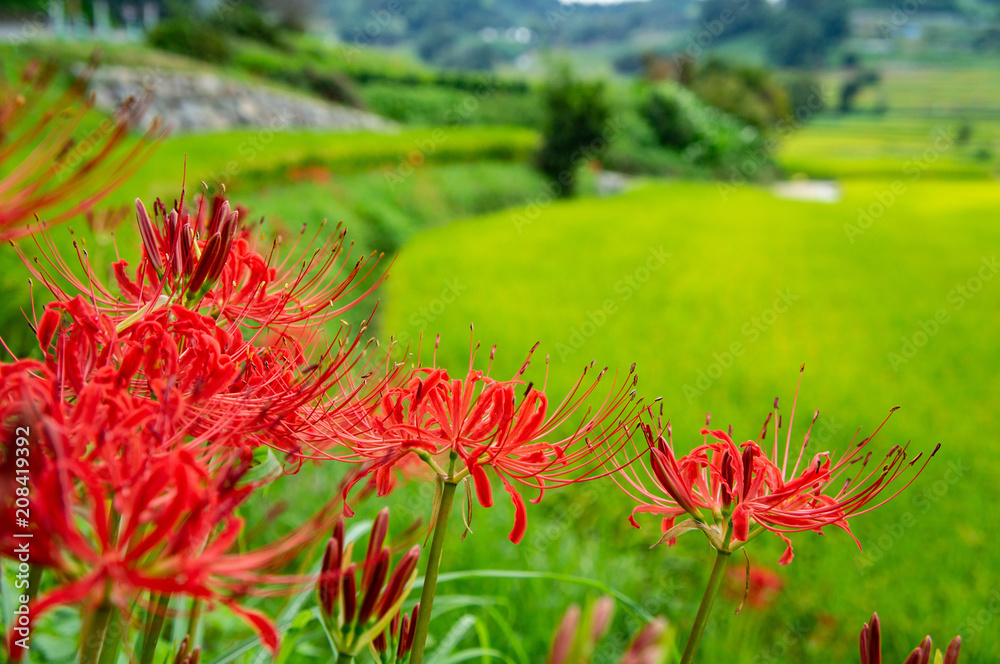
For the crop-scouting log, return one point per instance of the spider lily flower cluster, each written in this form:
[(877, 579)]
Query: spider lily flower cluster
[(155, 410), (462, 427), (734, 493), (210, 311), (356, 614), (60, 174)]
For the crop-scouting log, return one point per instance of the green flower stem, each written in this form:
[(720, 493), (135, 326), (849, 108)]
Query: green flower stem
[(701, 620), (92, 636), (431, 575), (344, 658), (112, 640), (153, 627), (193, 616)]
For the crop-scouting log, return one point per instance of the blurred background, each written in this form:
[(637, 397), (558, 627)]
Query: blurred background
[(717, 190)]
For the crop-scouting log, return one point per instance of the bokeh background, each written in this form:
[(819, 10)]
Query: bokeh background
[(760, 185)]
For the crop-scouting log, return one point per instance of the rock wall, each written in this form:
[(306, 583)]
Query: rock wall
[(198, 101)]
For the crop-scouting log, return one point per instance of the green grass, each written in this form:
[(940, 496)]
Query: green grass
[(383, 217), (231, 155), (729, 259)]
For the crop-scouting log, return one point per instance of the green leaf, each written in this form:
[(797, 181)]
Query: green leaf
[(451, 640), (289, 638), (551, 576), (513, 639), (265, 469)]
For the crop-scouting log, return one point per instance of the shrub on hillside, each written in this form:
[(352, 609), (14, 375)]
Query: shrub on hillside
[(246, 21), (704, 135), (668, 121), (748, 93)]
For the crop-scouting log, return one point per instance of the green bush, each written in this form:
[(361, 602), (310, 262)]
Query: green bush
[(668, 121), (707, 136), (246, 21), (191, 38), (748, 93)]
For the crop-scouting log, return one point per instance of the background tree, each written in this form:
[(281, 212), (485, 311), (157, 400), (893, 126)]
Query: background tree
[(576, 115)]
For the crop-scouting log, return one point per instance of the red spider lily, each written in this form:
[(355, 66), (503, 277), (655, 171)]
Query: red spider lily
[(206, 309), (479, 423), (146, 427), (871, 647), (356, 613), (126, 500), (735, 493), (54, 165), (211, 379), (205, 259)]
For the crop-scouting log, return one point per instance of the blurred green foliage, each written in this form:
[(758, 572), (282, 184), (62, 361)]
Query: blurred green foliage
[(576, 127)]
